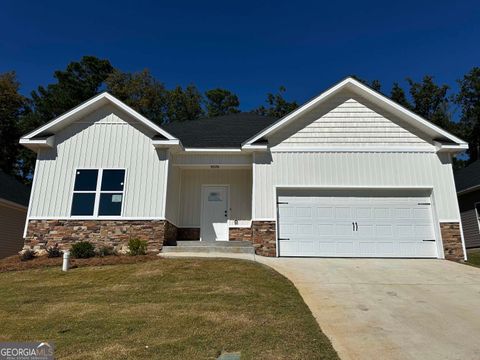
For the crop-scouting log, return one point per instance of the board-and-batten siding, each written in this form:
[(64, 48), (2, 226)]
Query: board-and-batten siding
[(346, 122), (225, 159), (240, 182), (353, 169), (12, 222), (172, 209), (107, 138), (471, 229)]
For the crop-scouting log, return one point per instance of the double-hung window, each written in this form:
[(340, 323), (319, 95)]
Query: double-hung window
[(98, 192)]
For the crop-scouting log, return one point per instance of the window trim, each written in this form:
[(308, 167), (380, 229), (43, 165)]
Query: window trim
[(98, 192)]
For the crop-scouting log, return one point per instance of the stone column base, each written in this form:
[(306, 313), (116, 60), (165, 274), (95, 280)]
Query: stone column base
[(263, 236), (452, 241)]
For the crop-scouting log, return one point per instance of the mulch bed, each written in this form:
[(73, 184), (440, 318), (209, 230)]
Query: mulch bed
[(13, 263)]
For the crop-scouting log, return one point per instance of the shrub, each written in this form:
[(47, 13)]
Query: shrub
[(105, 251), (82, 250), (137, 247), (54, 251), (27, 254)]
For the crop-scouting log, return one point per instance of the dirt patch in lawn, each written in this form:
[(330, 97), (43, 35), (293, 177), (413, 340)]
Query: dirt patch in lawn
[(13, 263)]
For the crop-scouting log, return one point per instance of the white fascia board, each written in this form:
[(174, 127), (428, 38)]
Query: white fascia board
[(35, 144), (365, 90), (255, 147), (159, 144), (91, 102), (455, 148)]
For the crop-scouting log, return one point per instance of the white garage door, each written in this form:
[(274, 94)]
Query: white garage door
[(355, 224)]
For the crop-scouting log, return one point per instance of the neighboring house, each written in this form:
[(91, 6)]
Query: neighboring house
[(349, 174), (13, 212), (467, 181)]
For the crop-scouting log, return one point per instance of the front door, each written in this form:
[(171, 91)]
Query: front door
[(214, 213)]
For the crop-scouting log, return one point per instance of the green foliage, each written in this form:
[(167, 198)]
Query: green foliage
[(141, 91), (12, 106), (221, 102), (398, 95), (79, 82), (137, 247), (468, 99), (184, 105), (54, 251), (82, 250), (277, 105), (431, 101), (374, 84), (27, 255), (105, 251)]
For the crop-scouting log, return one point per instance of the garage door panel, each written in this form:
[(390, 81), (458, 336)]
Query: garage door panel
[(387, 226)]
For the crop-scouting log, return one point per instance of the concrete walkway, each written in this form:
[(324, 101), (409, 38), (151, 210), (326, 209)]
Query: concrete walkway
[(389, 308)]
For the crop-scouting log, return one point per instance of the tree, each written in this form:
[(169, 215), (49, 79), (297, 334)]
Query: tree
[(12, 106), (468, 99), (398, 95), (221, 102), (374, 84), (277, 105), (142, 92), (431, 101), (184, 105), (77, 83)]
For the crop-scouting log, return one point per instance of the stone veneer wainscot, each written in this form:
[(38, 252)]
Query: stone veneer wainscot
[(116, 233)]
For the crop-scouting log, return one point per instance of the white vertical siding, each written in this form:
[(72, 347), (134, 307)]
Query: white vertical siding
[(353, 169), (108, 138), (172, 210), (232, 159), (240, 182)]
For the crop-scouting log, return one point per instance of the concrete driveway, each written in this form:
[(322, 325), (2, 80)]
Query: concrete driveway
[(391, 309)]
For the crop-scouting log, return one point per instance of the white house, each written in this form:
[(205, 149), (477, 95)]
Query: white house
[(349, 174)]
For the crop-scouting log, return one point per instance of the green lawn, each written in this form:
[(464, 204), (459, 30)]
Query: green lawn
[(473, 257), (165, 309)]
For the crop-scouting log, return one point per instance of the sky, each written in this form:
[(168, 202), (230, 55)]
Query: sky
[(248, 47)]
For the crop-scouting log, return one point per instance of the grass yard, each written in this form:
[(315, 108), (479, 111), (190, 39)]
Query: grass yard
[(165, 309), (473, 257)]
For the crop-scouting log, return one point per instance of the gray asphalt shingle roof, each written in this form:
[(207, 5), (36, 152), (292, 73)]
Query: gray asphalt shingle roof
[(13, 190), (468, 177), (228, 131)]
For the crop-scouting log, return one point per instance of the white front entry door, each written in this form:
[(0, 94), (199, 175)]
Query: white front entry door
[(214, 216), (343, 225)]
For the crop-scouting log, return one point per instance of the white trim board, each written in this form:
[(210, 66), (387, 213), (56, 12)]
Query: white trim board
[(394, 149)]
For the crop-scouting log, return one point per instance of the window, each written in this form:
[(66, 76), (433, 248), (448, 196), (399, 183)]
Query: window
[(98, 192)]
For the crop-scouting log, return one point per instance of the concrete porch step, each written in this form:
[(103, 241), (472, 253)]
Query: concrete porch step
[(224, 247), (234, 243)]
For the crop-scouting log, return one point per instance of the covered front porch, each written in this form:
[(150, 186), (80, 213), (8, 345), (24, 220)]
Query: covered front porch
[(209, 197)]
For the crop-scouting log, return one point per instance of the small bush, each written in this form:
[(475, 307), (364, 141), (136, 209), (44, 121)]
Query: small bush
[(105, 251), (137, 247), (82, 250), (27, 255), (54, 251)]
